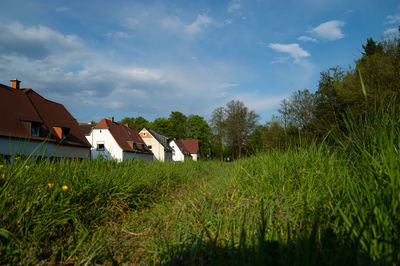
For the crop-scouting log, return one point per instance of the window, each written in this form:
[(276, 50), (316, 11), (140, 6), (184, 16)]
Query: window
[(144, 134), (149, 147), (100, 147), (65, 132), (35, 130)]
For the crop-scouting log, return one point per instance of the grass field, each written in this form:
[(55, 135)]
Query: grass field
[(308, 206)]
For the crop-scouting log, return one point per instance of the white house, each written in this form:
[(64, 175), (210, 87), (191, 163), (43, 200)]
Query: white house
[(157, 143), (192, 146), (111, 140), (33, 125), (179, 153)]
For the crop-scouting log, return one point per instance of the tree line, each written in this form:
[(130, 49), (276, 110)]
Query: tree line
[(233, 130)]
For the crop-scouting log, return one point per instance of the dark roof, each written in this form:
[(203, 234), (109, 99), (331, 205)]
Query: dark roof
[(182, 147), (18, 106), (192, 145), (124, 136), (163, 140), (86, 128)]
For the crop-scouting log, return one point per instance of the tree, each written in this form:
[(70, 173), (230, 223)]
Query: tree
[(197, 128), (218, 126), (128, 120), (140, 123), (285, 112), (301, 111), (177, 124), (234, 123), (162, 126)]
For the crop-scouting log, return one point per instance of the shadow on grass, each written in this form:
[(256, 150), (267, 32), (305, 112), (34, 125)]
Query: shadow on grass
[(316, 246)]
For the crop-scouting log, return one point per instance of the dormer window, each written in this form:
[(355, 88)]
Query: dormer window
[(35, 129), (61, 132), (65, 132)]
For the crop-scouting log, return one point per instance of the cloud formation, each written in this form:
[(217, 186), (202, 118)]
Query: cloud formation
[(293, 49), (330, 30), (175, 24), (392, 19), (234, 6), (307, 39)]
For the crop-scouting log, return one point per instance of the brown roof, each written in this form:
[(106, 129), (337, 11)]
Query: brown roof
[(86, 128), (124, 136), (21, 106), (191, 145), (182, 147)]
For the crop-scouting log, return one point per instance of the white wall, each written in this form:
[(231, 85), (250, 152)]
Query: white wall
[(178, 156), (17, 147), (195, 156), (112, 149), (138, 156)]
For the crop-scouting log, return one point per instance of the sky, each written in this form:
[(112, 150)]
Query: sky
[(132, 58)]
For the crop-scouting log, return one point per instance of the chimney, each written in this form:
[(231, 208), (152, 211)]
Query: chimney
[(15, 83), (111, 118)]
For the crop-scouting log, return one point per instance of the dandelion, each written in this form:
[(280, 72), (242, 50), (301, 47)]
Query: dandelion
[(64, 187), (50, 185), (1, 166), (26, 167)]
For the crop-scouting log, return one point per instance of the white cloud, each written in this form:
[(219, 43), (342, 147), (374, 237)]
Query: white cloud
[(330, 30), (392, 19), (293, 49), (118, 35), (176, 25), (234, 6), (307, 39), (62, 9), (391, 31), (35, 42), (198, 24)]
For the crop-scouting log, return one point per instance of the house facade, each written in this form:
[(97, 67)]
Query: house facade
[(179, 153), (33, 125), (111, 140), (158, 144), (192, 146)]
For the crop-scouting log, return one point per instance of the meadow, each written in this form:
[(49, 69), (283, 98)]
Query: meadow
[(309, 205)]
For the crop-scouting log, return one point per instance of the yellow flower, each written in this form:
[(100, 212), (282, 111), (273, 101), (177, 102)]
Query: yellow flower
[(1, 166), (50, 185), (26, 167), (16, 158), (2, 176), (64, 187)]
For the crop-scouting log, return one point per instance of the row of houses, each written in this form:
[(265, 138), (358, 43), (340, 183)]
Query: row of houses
[(33, 125)]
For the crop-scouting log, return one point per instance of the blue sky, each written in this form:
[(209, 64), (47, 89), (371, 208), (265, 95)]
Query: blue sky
[(148, 58)]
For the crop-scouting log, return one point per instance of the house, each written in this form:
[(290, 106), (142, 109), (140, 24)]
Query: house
[(158, 144), (179, 153), (33, 125), (193, 147), (112, 140)]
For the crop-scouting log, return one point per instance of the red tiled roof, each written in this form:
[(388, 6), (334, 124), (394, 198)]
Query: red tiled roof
[(20, 105), (191, 145), (124, 135)]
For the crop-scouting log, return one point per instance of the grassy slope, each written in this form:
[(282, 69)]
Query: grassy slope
[(306, 206)]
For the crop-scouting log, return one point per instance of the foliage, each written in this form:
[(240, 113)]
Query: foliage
[(234, 123)]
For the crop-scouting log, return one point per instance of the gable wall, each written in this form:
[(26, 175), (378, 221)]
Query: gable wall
[(112, 149)]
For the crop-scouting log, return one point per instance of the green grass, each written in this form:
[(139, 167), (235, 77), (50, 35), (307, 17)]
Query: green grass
[(306, 206)]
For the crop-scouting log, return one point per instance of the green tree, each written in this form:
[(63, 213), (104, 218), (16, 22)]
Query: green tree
[(178, 125), (199, 129), (140, 123), (162, 126), (237, 123), (128, 120), (217, 122)]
